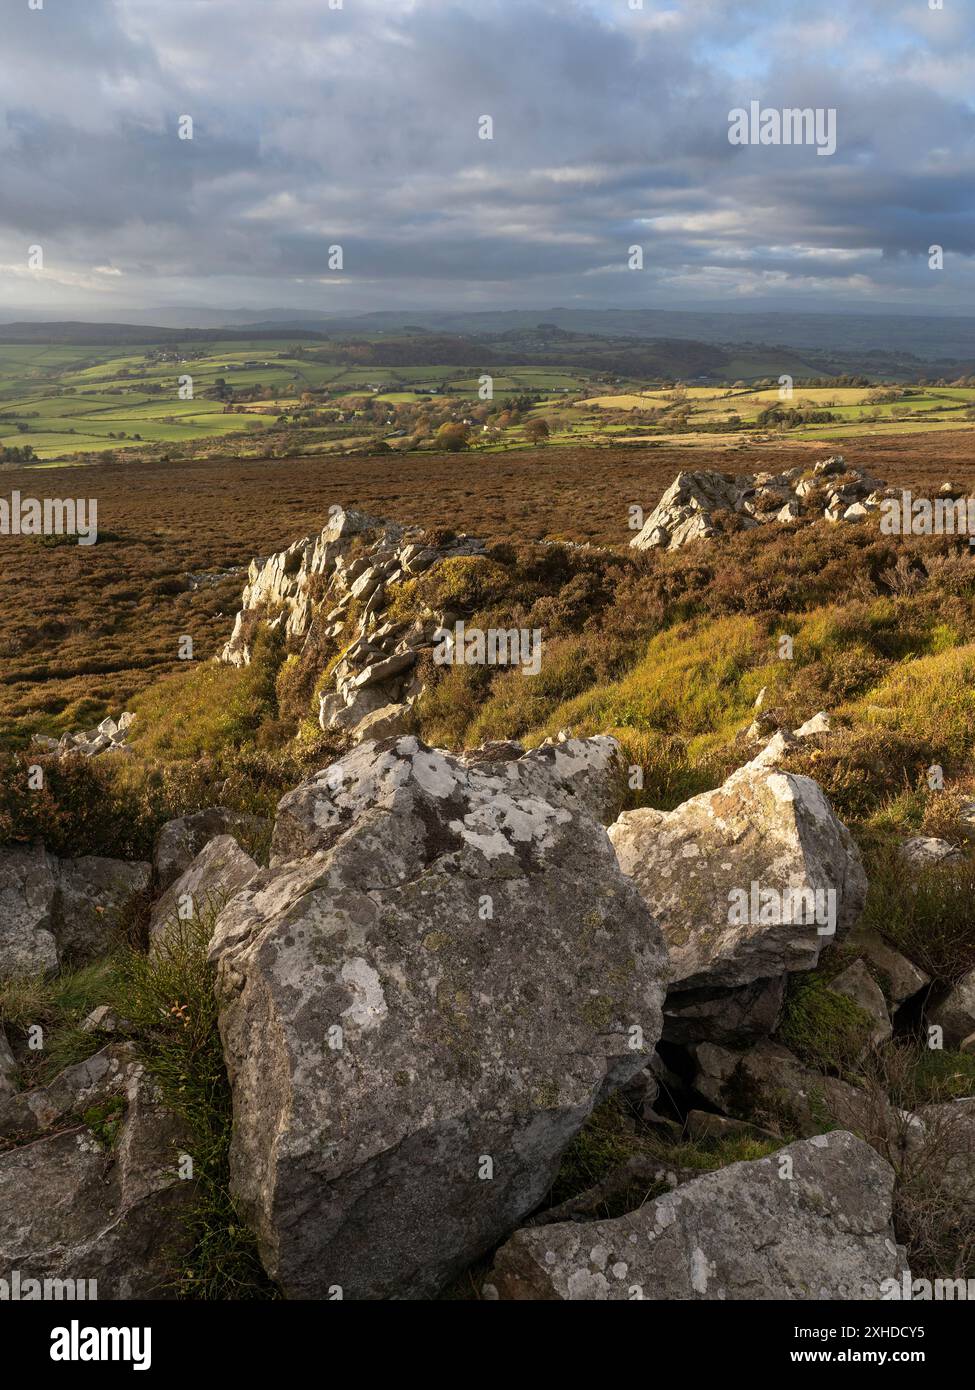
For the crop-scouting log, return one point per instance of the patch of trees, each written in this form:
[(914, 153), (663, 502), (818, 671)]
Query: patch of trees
[(791, 417)]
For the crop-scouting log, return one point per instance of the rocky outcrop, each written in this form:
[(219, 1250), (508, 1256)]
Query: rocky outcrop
[(54, 911), (346, 578), (420, 1003), (75, 1205), (692, 506), (810, 1222), (747, 882), (111, 736)]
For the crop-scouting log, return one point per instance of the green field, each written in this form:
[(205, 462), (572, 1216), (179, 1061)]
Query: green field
[(281, 396)]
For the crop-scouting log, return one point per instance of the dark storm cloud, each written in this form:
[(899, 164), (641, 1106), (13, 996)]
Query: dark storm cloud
[(358, 126)]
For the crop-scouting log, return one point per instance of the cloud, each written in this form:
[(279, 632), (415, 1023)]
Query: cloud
[(359, 126)]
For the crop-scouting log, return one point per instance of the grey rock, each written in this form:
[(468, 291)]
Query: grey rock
[(96, 900), (856, 983), (71, 1093), (955, 1013), (28, 890), (733, 1017), (385, 670), (389, 721), (372, 919), (220, 870), (818, 1229), (923, 851), (705, 867), (703, 1125), (69, 1210), (776, 1089), (180, 841), (101, 1020), (901, 977), (819, 724)]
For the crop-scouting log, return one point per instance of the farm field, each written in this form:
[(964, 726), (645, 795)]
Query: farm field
[(280, 397)]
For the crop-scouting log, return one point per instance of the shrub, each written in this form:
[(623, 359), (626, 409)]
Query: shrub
[(925, 913)]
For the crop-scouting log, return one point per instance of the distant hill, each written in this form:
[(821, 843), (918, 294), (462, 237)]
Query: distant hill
[(78, 334), (921, 336)]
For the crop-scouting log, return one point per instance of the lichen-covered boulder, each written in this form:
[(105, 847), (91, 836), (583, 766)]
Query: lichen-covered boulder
[(76, 1205), (747, 882), (28, 894), (420, 1002), (97, 899), (810, 1222)]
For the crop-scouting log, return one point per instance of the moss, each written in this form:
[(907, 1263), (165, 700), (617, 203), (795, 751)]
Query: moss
[(105, 1121), (825, 1030)]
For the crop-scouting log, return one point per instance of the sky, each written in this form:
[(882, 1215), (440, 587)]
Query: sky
[(357, 123)]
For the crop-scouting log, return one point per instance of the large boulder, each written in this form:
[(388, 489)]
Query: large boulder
[(180, 841), (810, 1222), (954, 1014), (72, 1209), (28, 893), (420, 1003), (747, 882), (96, 899), (220, 870)]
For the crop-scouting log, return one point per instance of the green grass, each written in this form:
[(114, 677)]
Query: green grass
[(825, 1030), (169, 999)]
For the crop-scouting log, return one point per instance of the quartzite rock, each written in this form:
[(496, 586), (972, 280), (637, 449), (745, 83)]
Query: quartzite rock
[(491, 975), (810, 1222), (702, 869)]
